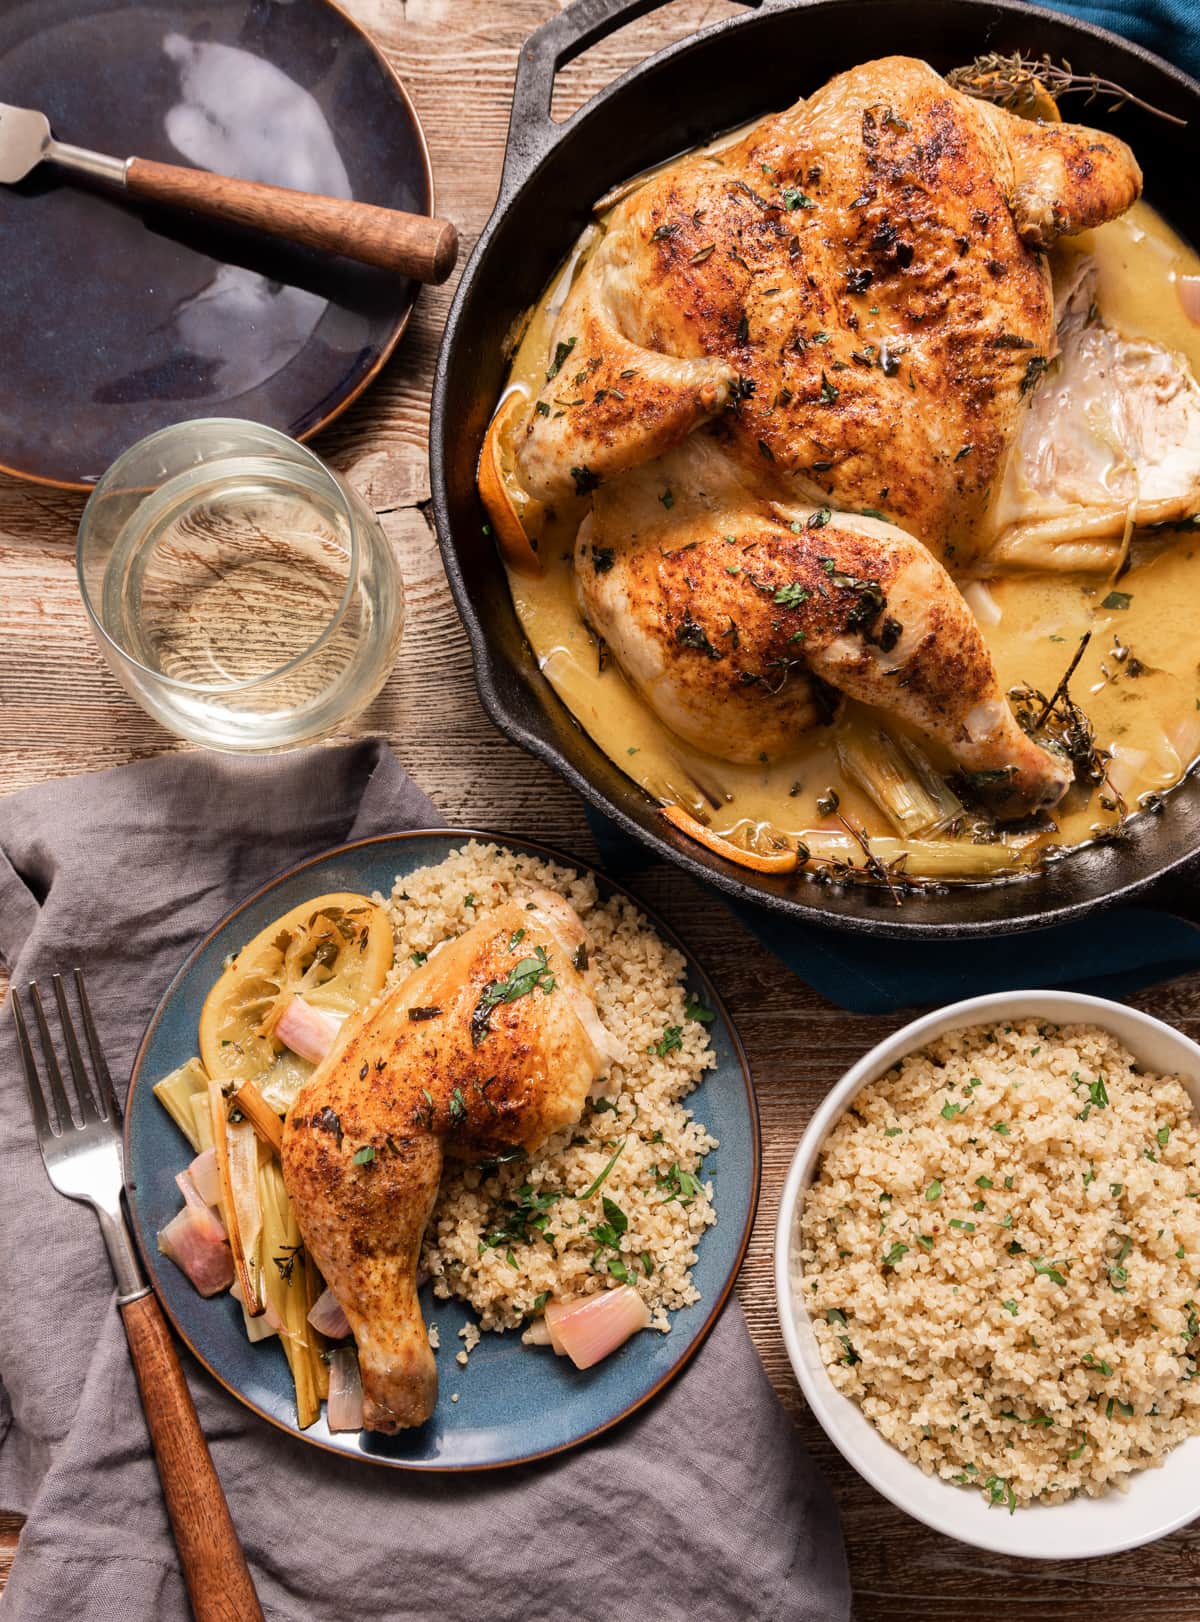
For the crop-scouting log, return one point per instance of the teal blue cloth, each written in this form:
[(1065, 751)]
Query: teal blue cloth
[(1169, 28), (1111, 954)]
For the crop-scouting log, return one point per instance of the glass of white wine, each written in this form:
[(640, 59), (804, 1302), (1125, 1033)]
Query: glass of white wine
[(244, 595)]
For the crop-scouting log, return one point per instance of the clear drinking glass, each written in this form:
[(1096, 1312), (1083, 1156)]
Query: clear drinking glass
[(242, 593)]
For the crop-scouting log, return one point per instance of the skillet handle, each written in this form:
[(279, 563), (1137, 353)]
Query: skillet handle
[(557, 42)]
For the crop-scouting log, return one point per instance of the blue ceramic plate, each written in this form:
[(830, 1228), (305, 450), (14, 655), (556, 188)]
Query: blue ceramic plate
[(515, 1403), (118, 318)]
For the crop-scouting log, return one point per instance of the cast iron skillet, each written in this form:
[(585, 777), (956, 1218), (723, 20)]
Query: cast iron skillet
[(708, 82)]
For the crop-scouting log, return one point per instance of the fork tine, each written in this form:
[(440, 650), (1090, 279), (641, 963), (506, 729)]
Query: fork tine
[(37, 1102), (57, 1091), (108, 1098), (87, 1103)]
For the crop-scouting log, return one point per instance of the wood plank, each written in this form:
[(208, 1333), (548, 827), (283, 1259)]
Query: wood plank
[(62, 712)]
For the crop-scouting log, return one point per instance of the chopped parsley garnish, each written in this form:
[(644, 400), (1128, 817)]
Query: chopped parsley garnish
[(531, 973), (967, 1227), (1117, 599), (793, 199), (934, 1190), (892, 1256), (1050, 1271), (677, 1185), (1010, 1306), (792, 595), (364, 1156), (698, 1009), (670, 1041), (588, 1192), (949, 1111), (1097, 1363)]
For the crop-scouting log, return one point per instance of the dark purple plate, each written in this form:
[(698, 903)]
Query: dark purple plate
[(117, 319)]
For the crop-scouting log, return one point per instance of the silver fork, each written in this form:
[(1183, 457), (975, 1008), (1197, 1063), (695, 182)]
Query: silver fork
[(83, 1160)]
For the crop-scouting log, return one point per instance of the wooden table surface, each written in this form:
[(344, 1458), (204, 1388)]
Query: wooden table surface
[(61, 713)]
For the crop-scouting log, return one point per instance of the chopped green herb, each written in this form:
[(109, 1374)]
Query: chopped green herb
[(1010, 1306), (698, 1009), (1050, 1271), (561, 351), (892, 1256), (530, 974), (588, 1192), (1001, 1127), (967, 1227), (934, 1190), (364, 1156), (1117, 599), (671, 1040)]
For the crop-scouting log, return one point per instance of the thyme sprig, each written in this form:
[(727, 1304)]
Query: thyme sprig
[(1017, 81)]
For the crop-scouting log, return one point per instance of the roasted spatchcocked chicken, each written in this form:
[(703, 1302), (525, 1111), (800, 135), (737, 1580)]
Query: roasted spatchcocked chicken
[(791, 377), (488, 1048)]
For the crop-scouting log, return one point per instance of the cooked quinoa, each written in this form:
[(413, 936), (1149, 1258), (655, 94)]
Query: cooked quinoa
[(503, 1239), (1000, 1257)]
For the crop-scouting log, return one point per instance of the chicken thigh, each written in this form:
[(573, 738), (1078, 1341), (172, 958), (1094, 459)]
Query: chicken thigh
[(742, 621), (859, 277), (490, 1047)]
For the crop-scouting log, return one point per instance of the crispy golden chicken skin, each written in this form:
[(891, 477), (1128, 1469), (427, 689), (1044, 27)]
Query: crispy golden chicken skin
[(741, 621), (490, 1046), (860, 277)]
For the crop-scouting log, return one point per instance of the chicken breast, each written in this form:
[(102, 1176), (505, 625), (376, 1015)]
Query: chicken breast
[(859, 277)]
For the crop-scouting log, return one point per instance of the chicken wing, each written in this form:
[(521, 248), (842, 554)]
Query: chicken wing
[(488, 1048)]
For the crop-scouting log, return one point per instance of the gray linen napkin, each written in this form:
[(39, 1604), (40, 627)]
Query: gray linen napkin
[(702, 1506)]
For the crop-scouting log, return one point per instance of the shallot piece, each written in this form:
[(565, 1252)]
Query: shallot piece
[(327, 1317), (590, 1329), (1188, 288), (207, 1220), (191, 1243), (204, 1174), (308, 1031), (345, 1408)]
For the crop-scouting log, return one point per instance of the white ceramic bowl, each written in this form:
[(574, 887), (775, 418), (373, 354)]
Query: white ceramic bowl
[(1158, 1500)]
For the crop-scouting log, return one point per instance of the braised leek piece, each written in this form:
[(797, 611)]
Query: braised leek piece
[(900, 780), (241, 1207), (175, 1093)]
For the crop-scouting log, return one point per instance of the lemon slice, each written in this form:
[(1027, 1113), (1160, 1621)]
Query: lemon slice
[(517, 517), (334, 951)]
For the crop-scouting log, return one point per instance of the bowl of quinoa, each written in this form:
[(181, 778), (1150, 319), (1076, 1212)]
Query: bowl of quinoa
[(988, 1272)]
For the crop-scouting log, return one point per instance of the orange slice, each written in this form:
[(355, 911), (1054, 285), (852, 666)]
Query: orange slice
[(786, 861), (517, 517)]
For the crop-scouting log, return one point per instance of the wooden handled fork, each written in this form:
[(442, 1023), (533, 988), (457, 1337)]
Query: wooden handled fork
[(82, 1155)]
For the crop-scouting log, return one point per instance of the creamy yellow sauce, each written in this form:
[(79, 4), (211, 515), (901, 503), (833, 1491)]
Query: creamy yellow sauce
[(1151, 720)]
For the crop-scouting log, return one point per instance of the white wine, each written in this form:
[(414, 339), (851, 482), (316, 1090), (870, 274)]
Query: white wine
[(249, 601)]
